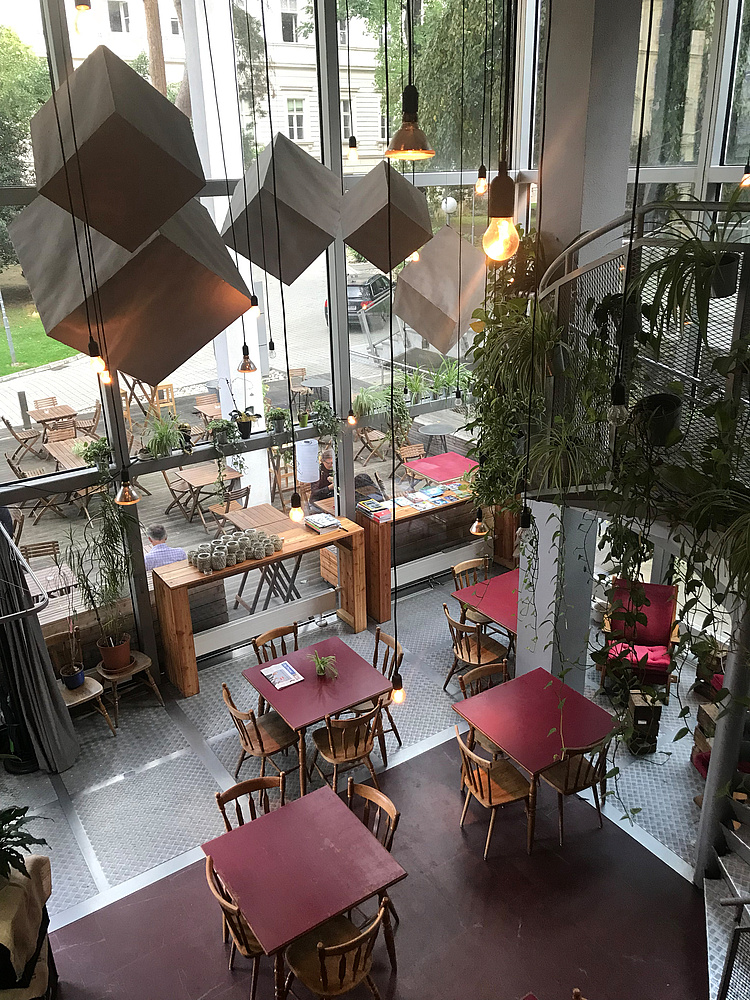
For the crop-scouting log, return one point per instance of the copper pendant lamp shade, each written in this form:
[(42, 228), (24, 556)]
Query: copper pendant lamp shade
[(409, 142)]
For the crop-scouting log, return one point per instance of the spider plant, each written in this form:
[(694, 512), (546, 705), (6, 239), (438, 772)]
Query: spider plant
[(14, 838), (163, 436), (418, 384), (325, 666)]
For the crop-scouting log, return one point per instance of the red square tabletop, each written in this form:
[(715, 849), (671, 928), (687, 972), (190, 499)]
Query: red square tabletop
[(300, 865), (441, 468), (496, 598), (523, 717), (311, 700)]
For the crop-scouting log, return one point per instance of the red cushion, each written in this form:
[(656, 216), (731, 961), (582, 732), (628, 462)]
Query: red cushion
[(700, 762), (717, 682), (647, 657), (659, 611)]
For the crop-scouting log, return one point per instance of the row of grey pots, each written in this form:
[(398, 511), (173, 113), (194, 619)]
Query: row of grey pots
[(231, 549)]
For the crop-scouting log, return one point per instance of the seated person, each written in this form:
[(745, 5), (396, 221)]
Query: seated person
[(160, 553), (323, 488)]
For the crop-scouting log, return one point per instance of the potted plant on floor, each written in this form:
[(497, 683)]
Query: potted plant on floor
[(279, 417), (14, 838)]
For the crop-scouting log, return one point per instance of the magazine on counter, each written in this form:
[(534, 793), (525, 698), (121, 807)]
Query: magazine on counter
[(281, 675)]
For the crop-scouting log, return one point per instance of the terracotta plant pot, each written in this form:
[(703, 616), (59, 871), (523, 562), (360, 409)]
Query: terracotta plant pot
[(72, 675), (115, 658)]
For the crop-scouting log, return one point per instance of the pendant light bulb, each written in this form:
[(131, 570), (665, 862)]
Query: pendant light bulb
[(409, 142), (501, 239), (296, 513), (413, 258), (83, 5), (353, 155), (399, 695), (254, 309), (350, 418), (246, 366), (97, 364), (104, 377), (745, 182), (271, 349), (481, 185), (127, 495), (479, 528), (618, 413)]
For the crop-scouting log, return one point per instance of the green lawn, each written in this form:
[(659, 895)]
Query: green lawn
[(33, 346)]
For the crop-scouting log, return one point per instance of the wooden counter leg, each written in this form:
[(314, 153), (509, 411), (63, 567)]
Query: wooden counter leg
[(173, 609), (353, 608), (302, 752)]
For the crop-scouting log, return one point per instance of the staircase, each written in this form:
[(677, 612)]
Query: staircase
[(730, 925)]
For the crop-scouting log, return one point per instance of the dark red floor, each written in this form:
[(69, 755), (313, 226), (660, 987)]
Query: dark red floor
[(601, 913)]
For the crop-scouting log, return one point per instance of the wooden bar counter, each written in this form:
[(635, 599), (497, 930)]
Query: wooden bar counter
[(173, 582)]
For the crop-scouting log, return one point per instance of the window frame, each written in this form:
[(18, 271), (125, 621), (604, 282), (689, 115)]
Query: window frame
[(296, 128), (347, 111), (121, 8)]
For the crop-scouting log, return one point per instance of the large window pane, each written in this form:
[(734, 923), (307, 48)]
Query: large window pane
[(738, 134), (677, 81)]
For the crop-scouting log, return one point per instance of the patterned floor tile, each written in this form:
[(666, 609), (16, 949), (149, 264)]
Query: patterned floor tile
[(71, 879), (32, 790)]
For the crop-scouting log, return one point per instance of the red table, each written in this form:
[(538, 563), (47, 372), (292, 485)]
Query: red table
[(307, 702), (523, 717), (443, 468), (496, 598), (297, 867)]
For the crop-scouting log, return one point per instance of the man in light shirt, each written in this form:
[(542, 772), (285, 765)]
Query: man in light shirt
[(160, 553)]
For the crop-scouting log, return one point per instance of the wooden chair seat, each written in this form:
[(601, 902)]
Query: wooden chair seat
[(482, 649), (275, 732), (342, 749), (507, 784), (302, 957), (557, 775), (219, 509)]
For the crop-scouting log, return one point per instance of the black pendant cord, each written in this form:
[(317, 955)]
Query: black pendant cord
[(223, 151), (491, 94), (394, 551), (242, 157), (537, 250), (278, 249), (257, 172), (507, 77), (410, 39), (460, 200), (634, 212), (349, 73), (484, 80)]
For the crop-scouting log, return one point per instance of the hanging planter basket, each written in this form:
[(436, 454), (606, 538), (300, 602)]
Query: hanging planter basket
[(724, 278), (658, 415)]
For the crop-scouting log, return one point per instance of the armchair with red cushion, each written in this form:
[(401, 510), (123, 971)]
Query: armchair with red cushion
[(646, 647)]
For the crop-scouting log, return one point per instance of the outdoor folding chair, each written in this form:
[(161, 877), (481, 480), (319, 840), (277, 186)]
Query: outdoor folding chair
[(374, 442), (46, 403), (233, 500), (88, 427), (25, 438), (62, 430)]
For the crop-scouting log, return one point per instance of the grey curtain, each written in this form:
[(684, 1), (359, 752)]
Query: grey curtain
[(26, 674)]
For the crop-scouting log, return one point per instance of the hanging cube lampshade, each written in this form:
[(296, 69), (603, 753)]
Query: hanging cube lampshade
[(364, 219), (308, 198), (160, 304), (136, 156), (427, 295)]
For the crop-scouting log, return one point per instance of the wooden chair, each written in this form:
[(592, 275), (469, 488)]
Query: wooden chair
[(180, 493), (249, 788), (233, 500), (20, 473), (243, 939), (18, 518), (162, 399), (296, 378), (378, 814), (25, 438), (50, 501), (261, 736), (62, 430), (387, 658), (345, 743), (46, 403), (36, 550), (88, 427), (466, 574), (492, 784), (410, 453), (125, 399), (272, 644), (584, 767), (336, 957), (200, 431), (59, 649), (281, 474), (374, 442), (472, 648), (474, 682)]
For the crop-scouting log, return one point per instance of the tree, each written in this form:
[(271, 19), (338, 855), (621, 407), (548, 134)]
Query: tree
[(156, 68), (24, 87)]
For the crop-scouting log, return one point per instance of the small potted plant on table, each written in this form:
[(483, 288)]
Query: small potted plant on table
[(325, 666)]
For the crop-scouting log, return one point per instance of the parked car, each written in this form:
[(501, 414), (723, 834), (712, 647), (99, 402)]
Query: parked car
[(364, 294)]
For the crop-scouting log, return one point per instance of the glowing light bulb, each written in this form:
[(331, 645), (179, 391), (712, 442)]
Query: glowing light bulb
[(353, 155), (83, 5), (105, 378), (254, 309), (127, 495), (618, 413), (501, 239), (398, 695), (745, 182), (351, 419), (413, 257), (97, 364), (481, 185), (296, 513)]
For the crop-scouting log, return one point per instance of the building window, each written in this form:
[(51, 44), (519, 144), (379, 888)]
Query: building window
[(343, 32), (346, 119), (295, 109), (175, 26), (289, 20), (383, 127), (119, 16)]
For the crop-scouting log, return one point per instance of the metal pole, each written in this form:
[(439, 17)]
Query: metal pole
[(8, 334), (726, 748), (330, 143)]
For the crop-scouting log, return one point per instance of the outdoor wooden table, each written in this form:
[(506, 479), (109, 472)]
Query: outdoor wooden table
[(445, 468), (261, 515), (173, 582), (309, 701), (63, 454), (496, 598), (56, 580), (294, 868), (523, 717), (209, 411), (198, 478), (378, 551), (50, 415)]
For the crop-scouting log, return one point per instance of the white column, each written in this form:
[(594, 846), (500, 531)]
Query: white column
[(210, 61)]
